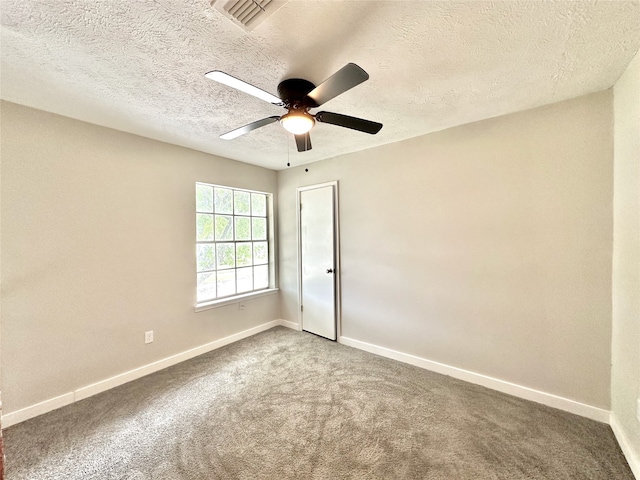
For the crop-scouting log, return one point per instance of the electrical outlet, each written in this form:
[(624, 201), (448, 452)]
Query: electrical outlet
[(148, 336), (241, 306)]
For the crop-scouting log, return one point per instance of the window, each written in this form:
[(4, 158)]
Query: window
[(232, 242)]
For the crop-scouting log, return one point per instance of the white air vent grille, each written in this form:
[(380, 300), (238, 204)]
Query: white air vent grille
[(248, 14)]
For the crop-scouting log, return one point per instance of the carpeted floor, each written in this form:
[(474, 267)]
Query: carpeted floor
[(289, 405)]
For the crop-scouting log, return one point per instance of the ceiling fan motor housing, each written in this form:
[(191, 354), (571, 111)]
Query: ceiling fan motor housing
[(293, 93)]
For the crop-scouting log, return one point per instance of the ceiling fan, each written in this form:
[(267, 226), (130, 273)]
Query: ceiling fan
[(299, 96)]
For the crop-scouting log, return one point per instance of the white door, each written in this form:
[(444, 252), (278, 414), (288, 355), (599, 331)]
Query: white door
[(318, 260)]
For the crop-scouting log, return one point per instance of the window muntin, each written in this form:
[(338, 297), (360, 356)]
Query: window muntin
[(232, 247)]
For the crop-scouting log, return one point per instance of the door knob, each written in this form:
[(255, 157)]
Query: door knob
[(329, 270)]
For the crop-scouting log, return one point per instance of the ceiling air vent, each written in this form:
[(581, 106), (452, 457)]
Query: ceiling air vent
[(248, 14)]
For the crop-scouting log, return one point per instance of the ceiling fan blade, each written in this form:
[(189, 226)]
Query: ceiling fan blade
[(303, 142), (354, 123), (247, 128), (347, 77), (233, 82)]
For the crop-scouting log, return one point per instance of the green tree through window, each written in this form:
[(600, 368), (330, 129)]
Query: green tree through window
[(232, 248)]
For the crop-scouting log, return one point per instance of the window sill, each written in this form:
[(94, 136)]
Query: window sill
[(236, 299)]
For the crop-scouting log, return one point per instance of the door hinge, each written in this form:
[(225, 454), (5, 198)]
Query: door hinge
[(301, 308)]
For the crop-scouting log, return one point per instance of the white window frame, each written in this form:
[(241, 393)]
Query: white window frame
[(271, 247)]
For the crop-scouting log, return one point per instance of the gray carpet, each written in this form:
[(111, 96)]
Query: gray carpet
[(289, 405)]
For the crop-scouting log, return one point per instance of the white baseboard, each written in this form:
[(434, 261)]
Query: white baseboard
[(527, 393), (288, 324), (561, 403), (136, 373), (31, 411), (632, 456), (45, 406)]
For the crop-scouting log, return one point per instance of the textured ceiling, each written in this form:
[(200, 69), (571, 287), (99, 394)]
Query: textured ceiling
[(139, 66)]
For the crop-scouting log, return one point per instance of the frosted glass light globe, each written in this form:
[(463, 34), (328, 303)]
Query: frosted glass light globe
[(297, 122)]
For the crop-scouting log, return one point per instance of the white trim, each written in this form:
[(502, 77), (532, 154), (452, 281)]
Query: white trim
[(31, 411), (45, 406), (527, 393), (561, 403), (136, 373), (292, 325), (235, 299), (632, 456)]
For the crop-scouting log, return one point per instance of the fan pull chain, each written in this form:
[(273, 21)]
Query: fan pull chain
[(288, 148)]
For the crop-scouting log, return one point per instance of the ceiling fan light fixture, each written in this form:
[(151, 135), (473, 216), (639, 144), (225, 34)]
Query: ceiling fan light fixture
[(297, 122)]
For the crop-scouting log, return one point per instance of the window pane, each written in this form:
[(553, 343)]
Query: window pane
[(204, 198), (206, 286), (206, 258), (226, 255), (258, 205), (224, 200), (261, 277), (241, 203), (243, 254), (232, 247), (226, 283), (224, 227), (204, 227), (245, 279), (259, 228), (243, 228), (260, 253)]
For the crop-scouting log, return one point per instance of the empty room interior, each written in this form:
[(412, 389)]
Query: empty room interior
[(273, 239)]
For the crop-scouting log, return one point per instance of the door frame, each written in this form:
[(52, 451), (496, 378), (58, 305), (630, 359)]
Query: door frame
[(336, 252)]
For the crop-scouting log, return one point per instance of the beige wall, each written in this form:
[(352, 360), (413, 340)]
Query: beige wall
[(97, 243), (625, 383), (485, 247)]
